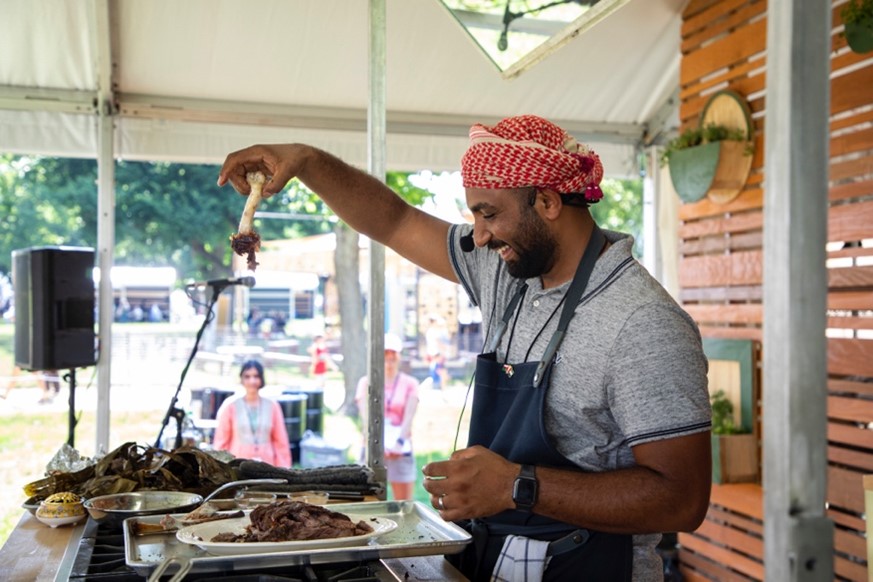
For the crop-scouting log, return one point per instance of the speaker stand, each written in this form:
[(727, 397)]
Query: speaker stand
[(174, 411), (70, 377)]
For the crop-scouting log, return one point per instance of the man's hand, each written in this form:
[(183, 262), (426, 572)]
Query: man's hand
[(474, 482), (279, 163)]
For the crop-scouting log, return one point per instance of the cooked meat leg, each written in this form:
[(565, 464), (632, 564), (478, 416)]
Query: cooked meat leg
[(247, 241)]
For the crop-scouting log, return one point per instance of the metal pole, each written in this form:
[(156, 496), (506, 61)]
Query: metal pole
[(376, 131), (798, 537)]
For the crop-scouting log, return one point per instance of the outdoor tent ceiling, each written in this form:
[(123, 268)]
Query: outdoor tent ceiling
[(191, 81)]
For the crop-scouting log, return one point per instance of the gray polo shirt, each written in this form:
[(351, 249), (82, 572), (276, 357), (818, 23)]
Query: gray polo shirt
[(630, 370)]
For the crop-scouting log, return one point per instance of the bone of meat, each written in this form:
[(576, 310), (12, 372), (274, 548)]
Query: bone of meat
[(247, 241)]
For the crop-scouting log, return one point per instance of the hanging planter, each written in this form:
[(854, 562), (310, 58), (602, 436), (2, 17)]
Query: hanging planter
[(857, 17), (715, 158)]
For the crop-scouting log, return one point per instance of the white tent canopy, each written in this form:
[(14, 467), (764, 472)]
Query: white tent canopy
[(191, 81)]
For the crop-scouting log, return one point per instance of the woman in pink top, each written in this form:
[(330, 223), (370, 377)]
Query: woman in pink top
[(252, 427), (401, 401)]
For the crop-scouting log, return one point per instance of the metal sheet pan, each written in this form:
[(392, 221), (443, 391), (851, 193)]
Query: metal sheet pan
[(420, 532)]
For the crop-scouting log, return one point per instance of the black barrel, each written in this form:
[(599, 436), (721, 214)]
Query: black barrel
[(294, 410), (210, 400), (314, 406)]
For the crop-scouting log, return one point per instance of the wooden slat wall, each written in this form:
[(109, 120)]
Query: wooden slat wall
[(721, 273)]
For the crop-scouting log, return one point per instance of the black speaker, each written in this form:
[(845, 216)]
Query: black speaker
[(54, 307)]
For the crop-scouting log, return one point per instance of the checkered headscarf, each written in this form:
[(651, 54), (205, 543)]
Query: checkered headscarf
[(530, 151)]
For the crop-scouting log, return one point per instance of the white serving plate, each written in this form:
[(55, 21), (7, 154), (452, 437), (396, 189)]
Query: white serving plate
[(200, 534)]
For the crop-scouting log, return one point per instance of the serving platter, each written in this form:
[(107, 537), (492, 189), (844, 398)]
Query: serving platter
[(201, 535), (420, 531)]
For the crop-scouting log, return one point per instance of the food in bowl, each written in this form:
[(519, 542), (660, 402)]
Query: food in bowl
[(61, 509)]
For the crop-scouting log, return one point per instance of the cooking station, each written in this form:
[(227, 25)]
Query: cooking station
[(92, 551)]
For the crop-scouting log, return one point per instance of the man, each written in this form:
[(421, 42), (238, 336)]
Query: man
[(585, 443)]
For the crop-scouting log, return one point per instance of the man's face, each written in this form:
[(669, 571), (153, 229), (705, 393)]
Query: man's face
[(506, 222)]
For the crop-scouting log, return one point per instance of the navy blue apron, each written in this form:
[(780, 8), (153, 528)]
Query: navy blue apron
[(507, 418)]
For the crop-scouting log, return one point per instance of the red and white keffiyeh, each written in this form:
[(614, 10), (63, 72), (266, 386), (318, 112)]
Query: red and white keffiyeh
[(530, 151)]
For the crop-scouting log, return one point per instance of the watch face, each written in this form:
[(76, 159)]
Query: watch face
[(524, 492)]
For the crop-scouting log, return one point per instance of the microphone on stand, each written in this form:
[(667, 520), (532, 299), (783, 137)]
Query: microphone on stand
[(467, 244), (219, 284)]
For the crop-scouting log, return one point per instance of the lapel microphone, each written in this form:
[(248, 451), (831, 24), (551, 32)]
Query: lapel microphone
[(467, 244)]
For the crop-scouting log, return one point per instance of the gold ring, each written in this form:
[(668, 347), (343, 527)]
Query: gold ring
[(440, 502)]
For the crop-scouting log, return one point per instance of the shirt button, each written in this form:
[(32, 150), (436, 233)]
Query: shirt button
[(536, 303)]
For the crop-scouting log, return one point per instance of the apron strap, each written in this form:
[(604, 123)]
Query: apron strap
[(507, 315), (571, 299)]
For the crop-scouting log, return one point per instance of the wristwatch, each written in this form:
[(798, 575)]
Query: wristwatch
[(525, 488)]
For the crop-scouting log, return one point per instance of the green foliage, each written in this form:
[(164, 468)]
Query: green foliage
[(621, 208), (695, 136), (857, 11), (723, 415)]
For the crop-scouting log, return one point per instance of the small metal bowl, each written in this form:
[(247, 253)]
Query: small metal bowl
[(117, 507)]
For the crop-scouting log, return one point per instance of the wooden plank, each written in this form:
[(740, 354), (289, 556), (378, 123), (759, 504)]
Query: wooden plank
[(848, 387), (851, 458), (743, 268), (851, 190), (850, 277), (852, 543), (851, 222), (744, 498), (847, 121), (851, 90), (850, 300), (713, 294), (731, 538), (850, 322), (851, 142), (849, 169), (845, 489), (850, 357), (847, 570), (847, 519), (726, 313), (727, 242), (746, 221), (695, 7), (850, 435), (742, 70), (851, 409), (852, 252), (705, 569), (721, 555), (751, 333), (742, 522), (737, 47), (710, 16), (749, 199)]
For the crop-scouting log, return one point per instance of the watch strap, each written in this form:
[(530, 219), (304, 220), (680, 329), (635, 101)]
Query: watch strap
[(525, 489)]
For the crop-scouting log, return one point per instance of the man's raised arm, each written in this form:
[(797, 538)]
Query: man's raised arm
[(363, 202)]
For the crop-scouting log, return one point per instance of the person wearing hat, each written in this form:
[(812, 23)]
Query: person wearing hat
[(590, 421), (401, 401)]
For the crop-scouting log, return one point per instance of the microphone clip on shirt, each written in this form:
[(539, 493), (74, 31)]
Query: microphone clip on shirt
[(467, 244)]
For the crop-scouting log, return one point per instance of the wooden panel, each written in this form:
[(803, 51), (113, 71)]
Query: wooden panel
[(850, 300), (847, 519), (734, 223), (750, 199), (744, 268), (851, 458), (857, 118), (751, 333), (851, 142), (739, 46), (852, 252), (726, 313), (850, 276), (709, 569), (850, 169), (737, 520), (852, 409), (850, 357), (726, 77), (849, 570), (745, 498), (706, 17), (724, 556), (850, 435), (851, 90), (738, 293), (837, 387), (732, 538), (845, 489), (718, 244), (852, 190), (850, 322), (852, 222)]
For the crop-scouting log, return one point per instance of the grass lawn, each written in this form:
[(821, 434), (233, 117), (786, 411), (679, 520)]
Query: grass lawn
[(147, 362)]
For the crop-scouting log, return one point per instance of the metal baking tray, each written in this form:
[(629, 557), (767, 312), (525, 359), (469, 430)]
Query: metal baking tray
[(420, 532)]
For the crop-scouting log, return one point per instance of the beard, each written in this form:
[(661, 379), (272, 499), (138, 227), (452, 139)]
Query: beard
[(534, 246)]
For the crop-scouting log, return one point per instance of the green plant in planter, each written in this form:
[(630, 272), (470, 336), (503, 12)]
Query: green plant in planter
[(697, 136), (734, 450), (857, 16)]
